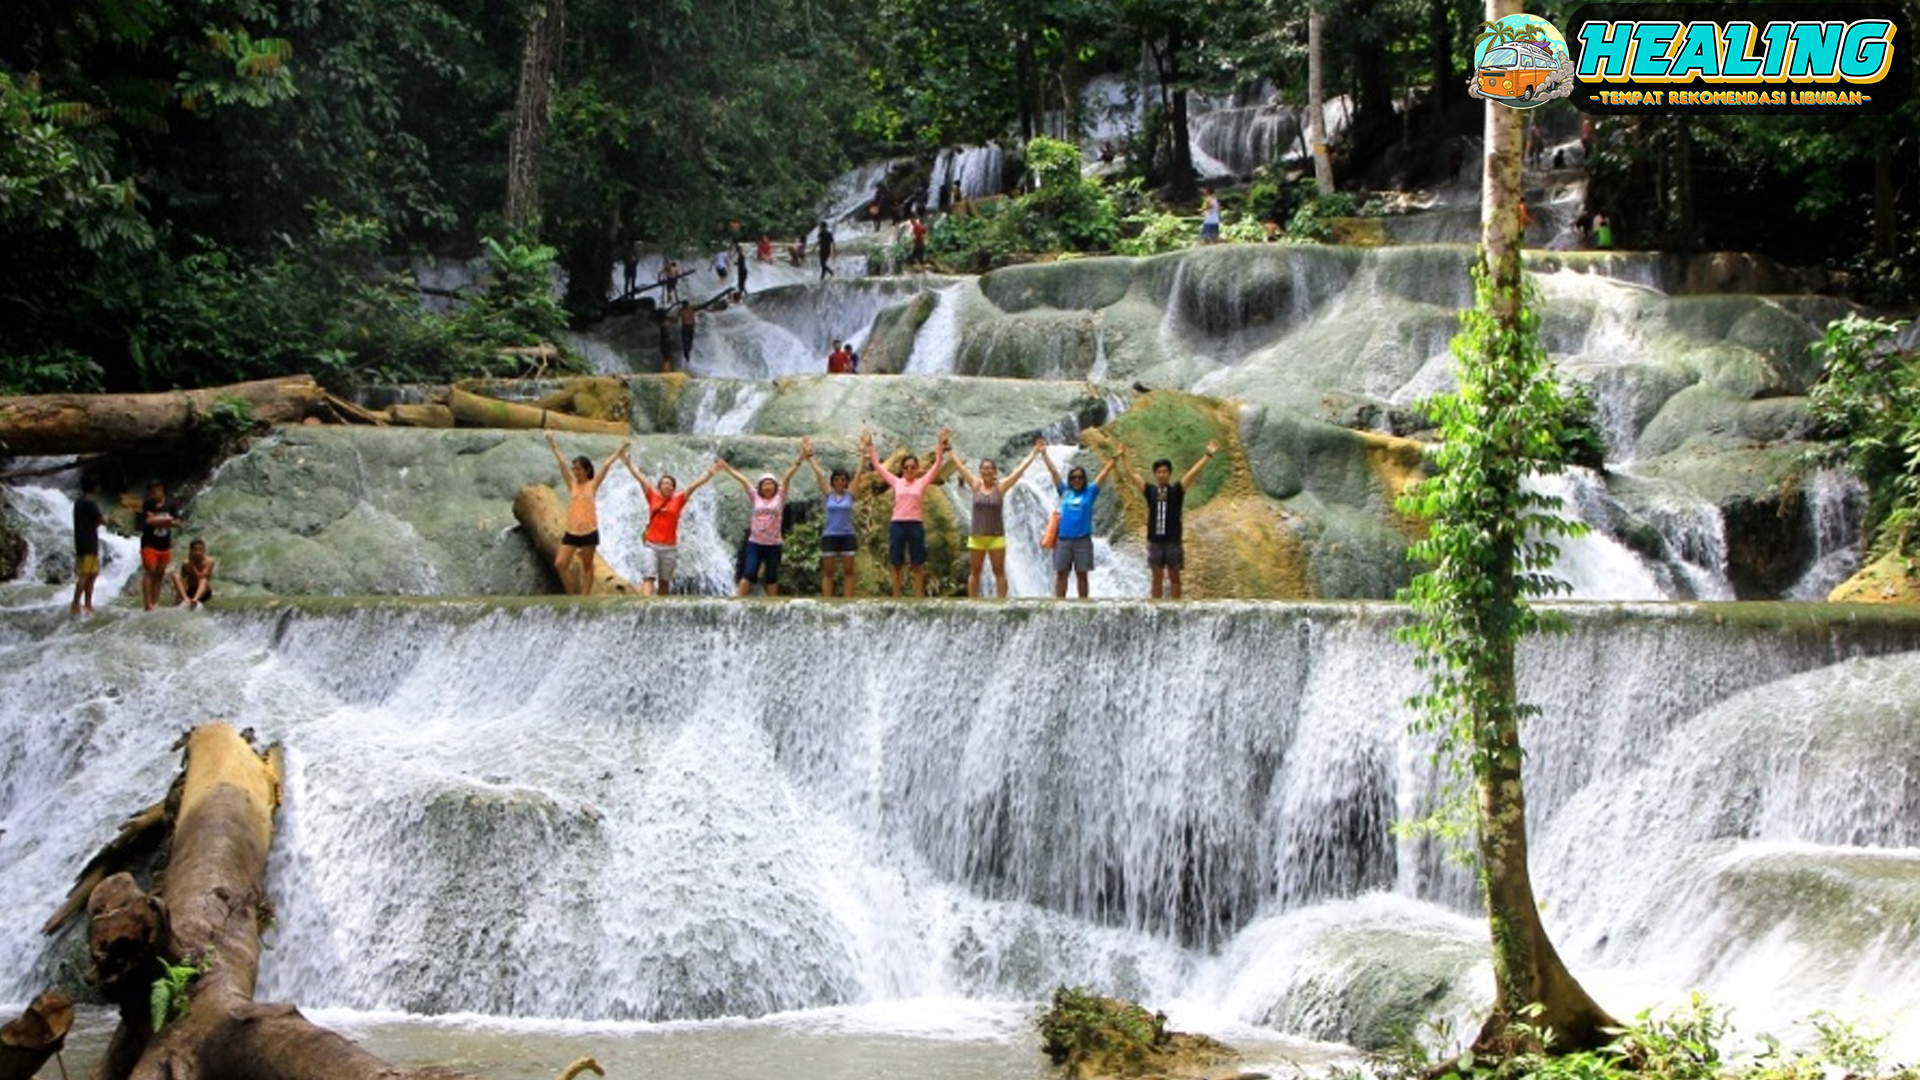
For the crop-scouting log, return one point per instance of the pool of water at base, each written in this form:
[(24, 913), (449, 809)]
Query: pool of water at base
[(918, 1040)]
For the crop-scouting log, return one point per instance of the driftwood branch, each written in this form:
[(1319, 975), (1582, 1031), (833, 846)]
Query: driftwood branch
[(141, 423), (539, 512)]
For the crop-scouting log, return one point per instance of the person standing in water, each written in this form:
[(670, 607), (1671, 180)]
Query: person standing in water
[(660, 546), (766, 529), (1166, 498), (838, 541), (1073, 550), (574, 561), (87, 519), (987, 533), (907, 532), (159, 516)]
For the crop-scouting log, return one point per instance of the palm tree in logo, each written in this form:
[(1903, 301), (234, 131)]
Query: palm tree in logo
[(1493, 35)]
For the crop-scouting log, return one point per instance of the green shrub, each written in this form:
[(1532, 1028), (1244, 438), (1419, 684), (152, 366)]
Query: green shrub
[(1868, 398)]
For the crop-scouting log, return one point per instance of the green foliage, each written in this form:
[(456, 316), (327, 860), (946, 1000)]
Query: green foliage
[(800, 557), (221, 428), (1488, 544), (516, 305), (1868, 397), (1080, 1023), (53, 179), (1157, 233), (1309, 222), (168, 999)]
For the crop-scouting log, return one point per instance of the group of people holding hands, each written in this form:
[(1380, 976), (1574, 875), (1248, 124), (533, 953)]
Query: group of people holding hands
[(1070, 535)]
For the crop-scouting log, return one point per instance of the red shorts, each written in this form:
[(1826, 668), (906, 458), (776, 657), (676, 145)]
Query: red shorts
[(154, 561)]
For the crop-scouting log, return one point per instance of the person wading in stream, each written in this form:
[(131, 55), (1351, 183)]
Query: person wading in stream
[(907, 532), (583, 518)]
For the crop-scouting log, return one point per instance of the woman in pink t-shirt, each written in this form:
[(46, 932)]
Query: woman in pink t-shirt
[(765, 531), (907, 534)]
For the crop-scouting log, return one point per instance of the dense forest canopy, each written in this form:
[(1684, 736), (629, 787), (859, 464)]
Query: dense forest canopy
[(200, 190)]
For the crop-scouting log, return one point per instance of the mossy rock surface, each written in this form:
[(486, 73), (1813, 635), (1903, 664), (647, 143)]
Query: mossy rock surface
[(1892, 578), (1091, 1037)]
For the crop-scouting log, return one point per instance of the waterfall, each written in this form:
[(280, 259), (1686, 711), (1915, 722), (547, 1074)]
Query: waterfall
[(490, 808), (936, 345), (977, 169), (1835, 502), (46, 522)]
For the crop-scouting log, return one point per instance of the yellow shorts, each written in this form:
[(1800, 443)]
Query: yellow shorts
[(87, 564), (986, 543)]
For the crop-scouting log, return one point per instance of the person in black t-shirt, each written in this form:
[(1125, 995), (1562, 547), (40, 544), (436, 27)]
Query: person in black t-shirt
[(158, 518), (1166, 498), (87, 520)]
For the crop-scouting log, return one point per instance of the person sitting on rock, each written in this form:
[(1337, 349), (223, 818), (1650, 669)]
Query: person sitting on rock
[(193, 579), (987, 532), (574, 561), (907, 532)]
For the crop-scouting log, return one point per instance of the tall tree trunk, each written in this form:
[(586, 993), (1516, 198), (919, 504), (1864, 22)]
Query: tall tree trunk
[(1440, 50), (1527, 970), (1317, 101), (1180, 185), (546, 29)]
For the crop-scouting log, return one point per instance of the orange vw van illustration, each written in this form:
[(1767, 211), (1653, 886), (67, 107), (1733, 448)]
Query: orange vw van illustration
[(1516, 69)]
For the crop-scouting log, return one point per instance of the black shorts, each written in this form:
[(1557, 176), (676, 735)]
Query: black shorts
[(1166, 555), (907, 543), (591, 539), (839, 545)]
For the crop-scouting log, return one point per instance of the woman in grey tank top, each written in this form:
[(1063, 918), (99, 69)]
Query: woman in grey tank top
[(987, 535)]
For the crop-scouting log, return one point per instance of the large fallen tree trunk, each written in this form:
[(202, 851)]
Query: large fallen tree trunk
[(539, 512), (207, 914), (473, 410), (140, 423)]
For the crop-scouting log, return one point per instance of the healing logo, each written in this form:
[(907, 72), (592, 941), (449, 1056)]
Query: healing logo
[(1521, 61)]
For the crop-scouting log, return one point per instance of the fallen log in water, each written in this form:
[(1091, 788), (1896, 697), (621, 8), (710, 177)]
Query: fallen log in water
[(27, 1041), (538, 510), (200, 933), (49, 424)]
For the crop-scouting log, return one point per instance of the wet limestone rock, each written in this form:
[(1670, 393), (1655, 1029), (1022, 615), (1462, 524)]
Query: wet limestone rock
[(1089, 1037), (13, 550), (1893, 578)]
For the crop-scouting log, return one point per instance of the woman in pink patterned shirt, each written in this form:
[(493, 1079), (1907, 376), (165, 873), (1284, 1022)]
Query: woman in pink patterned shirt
[(907, 535), (765, 536)]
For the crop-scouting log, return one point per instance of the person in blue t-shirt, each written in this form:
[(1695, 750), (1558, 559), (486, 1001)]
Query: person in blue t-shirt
[(1073, 549)]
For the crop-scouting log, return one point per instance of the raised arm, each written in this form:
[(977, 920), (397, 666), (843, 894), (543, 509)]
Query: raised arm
[(970, 480), (1040, 447), (806, 454), (1100, 480), (566, 474), (873, 457), (626, 458), (600, 475), (721, 464), (704, 477), (1014, 476), (819, 477), (1194, 472), (1133, 474), (940, 453)]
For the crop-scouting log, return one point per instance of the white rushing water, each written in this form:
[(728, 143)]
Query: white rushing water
[(680, 810), (45, 509)]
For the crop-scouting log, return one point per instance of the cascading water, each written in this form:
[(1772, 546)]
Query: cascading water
[(46, 517), (979, 800), (1836, 504), (936, 346)]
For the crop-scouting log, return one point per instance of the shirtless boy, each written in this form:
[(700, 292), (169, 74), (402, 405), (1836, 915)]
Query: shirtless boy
[(583, 518), (193, 579)]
